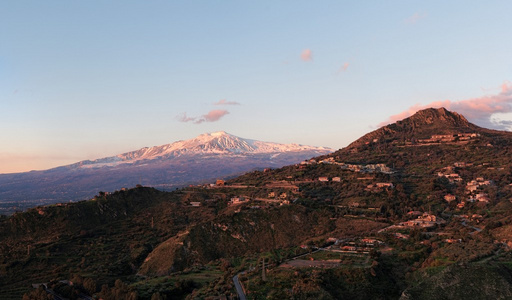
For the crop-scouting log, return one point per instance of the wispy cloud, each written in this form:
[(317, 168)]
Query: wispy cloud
[(212, 116), (184, 118), (414, 18), (477, 110), (343, 68), (224, 102), (306, 55)]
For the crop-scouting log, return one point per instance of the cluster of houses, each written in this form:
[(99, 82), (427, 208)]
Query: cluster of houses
[(364, 245), (446, 138), (379, 186), (326, 179), (369, 168), (238, 200), (450, 174), (473, 188), (424, 220), (475, 184), (283, 197)]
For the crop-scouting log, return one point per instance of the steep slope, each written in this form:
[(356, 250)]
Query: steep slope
[(422, 125), (204, 158), (464, 282), (249, 231)]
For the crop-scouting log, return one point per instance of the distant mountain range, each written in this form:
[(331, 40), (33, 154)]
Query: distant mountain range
[(204, 158)]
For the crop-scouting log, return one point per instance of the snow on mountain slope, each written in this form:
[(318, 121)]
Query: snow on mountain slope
[(203, 159), (218, 143)]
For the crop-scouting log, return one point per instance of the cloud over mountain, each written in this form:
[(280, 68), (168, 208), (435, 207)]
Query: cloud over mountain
[(211, 116), (478, 110)]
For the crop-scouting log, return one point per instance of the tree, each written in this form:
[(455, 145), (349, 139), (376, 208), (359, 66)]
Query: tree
[(133, 296), (90, 286)]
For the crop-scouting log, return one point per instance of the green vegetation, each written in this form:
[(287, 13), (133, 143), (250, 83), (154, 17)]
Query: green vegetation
[(147, 244)]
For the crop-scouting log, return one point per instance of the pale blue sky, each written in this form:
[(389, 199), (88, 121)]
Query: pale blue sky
[(88, 79)]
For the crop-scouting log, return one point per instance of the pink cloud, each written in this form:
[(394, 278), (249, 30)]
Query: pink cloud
[(224, 102), (212, 116), (183, 118), (506, 86), (476, 110), (414, 18), (343, 68), (306, 55)]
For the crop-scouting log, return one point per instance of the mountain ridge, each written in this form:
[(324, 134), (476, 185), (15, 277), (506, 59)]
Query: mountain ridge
[(202, 159), (219, 142)]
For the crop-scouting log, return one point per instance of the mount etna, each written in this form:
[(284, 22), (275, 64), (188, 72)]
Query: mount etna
[(205, 158)]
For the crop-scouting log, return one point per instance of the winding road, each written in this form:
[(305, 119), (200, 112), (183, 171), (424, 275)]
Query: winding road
[(238, 286)]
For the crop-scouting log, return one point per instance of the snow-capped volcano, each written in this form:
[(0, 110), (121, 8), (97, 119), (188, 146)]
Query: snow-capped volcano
[(216, 143), (204, 158)]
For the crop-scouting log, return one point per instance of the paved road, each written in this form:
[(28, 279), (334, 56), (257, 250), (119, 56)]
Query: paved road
[(238, 287), (464, 223)]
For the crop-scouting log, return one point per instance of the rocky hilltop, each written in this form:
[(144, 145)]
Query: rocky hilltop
[(424, 125)]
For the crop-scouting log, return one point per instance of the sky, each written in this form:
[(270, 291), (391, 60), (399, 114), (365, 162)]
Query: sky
[(89, 79)]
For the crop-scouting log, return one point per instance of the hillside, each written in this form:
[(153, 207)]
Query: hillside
[(423, 125), (419, 209)]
